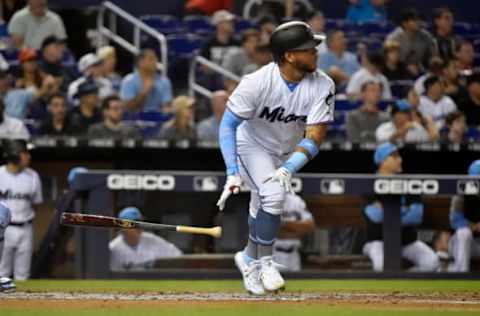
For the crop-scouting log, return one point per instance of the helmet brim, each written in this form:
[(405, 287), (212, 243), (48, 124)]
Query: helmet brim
[(317, 40)]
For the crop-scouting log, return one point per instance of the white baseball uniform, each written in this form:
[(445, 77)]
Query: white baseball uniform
[(142, 257), (4, 221), (285, 251), (275, 120), (19, 192)]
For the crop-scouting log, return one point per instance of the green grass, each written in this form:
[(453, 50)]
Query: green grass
[(321, 286)]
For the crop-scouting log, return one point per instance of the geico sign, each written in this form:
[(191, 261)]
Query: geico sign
[(384, 186), (140, 182)]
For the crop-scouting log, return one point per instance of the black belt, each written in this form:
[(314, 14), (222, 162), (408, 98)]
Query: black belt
[(20, 224), (286, 249)]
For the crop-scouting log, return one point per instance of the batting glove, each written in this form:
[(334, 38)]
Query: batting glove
[(283, 176), (232, 186)]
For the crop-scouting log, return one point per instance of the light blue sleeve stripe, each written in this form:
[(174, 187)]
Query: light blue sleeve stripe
[(310, 146), (457, 220), (227, 138), (295, 162), (374, 213), (414, 215)]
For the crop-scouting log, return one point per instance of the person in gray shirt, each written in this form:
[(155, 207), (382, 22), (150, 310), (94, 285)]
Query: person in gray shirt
[(362, 123), (112, 126), (207, 129)]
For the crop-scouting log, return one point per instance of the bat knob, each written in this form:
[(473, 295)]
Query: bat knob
[(217, 231)]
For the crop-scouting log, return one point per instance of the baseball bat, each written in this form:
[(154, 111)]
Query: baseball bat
[(78, 219)]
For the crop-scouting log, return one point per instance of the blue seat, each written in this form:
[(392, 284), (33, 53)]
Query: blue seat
[(149, 122), (166, 24), (462, 28), (10, 56), (198, 24), (339, 117), (3, 30), (183, 46), (345, 105), (472, 134), (242, 25)]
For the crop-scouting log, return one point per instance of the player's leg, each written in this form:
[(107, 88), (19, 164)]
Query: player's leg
[(9, 248), (23, 256), (374, 250), (461, 247), (422, 256)]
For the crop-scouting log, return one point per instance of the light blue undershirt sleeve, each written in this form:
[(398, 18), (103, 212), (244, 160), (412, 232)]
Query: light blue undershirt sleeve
[(412, 215), (457, 220), (227, 138), (298, 159), (374, 213)]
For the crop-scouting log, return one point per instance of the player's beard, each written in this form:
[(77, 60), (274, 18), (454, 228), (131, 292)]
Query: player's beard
[(304, 67)]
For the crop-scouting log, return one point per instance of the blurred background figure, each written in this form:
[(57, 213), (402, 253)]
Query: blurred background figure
[(455, 128), (135, 249), (445, 42), (182, 126), (366, 11), (87, 112), (56, 123), (207, 129), (207, 7), (393, 68), (316, 20), (470, 102), (10, 127), (434, 103), (108, 56)]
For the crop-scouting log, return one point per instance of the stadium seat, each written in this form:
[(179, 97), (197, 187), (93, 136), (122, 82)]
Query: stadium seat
[(10, 56), (242, 24), (472, 134), (166, 24), (149, 123), (462, 28), (183, 46), (339, 117), (345, 105), (198, 24)]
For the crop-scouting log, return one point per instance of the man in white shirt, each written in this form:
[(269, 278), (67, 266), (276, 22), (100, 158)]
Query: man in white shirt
[(369, 72), (11, 128), (21, 191), (134, 249), (434, 103)]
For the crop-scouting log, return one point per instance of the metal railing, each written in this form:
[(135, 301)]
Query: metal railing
[(195, 87), (110, 32), (247, 8)]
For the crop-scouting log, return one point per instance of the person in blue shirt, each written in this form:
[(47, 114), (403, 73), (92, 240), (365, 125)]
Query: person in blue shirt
[(389, 162), (145, 89), (465, 220), (366, 11)]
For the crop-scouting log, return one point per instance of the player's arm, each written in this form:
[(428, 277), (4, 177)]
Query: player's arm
[(457, 216)]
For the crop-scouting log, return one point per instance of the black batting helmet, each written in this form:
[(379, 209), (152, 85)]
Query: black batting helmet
[(295, 35), (12, 148)]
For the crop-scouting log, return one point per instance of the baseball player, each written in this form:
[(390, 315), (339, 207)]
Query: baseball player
[(465, 220), (296, 221), (135, 249), (274, 123), (389, 162), (6, 284), (21, 191)]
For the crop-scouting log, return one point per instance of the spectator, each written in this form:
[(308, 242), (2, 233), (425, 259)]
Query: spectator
[(108, 56), (15, 100), (181, 127), (470, 103), (444, 41), (266, 25), (136, 250), (465, 220), (436, 67), (207, 130), (56, 124), (372, 65), (86, 113), (415, 43), (10, 127), (336, 61), (30, 26), (316, 20), (223, 41), (112, 126), (451, 79), (466, 58), (435, 104), (362, 123), (456, 127), (9, 8), (366, 11), (403, 128), (389, 162), (261, 57), (30, 76), (393, 68), (413, 98), (207, 7), (145, 89), (50, 62), (90, 66)]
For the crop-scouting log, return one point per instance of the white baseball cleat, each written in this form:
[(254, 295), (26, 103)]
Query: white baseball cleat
[(269, 275), (7, 285), (250, 274)]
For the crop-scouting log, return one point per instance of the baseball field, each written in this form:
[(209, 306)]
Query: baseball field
[(226, 297)]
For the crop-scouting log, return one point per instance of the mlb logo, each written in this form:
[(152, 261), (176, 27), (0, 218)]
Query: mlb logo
[(468, 187), (205, 184), (332, 186)]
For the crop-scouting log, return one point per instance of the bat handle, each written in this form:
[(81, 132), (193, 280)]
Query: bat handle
[(214, 231)]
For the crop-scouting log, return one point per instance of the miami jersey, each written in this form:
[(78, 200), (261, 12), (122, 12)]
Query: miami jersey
[(275, 112)]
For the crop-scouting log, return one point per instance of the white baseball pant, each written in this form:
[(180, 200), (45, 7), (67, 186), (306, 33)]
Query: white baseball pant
[(463, 247), (17, 252)]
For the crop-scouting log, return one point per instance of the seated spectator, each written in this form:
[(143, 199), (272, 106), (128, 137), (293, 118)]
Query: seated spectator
[(16, 101), (455, 128), (389, 162), (372, 65), (451, 79), (316, 20), (10, 127), (90, 66), (56, 124), (445, 43), (466, 58), (393, 68), (361, 124), (181, 127), (136, 250), (436, 67), (465, 221), (30, 76), (30, 26), (402, 128), (108, 55), (267, 25), (112, 126), (416, 44), (470, 103), (434, 103), (86, 113), (336, 61), (222, 41), (50, 61), (413, 98), (261, 57), (207, 130), (366, 11), (145, 89)]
